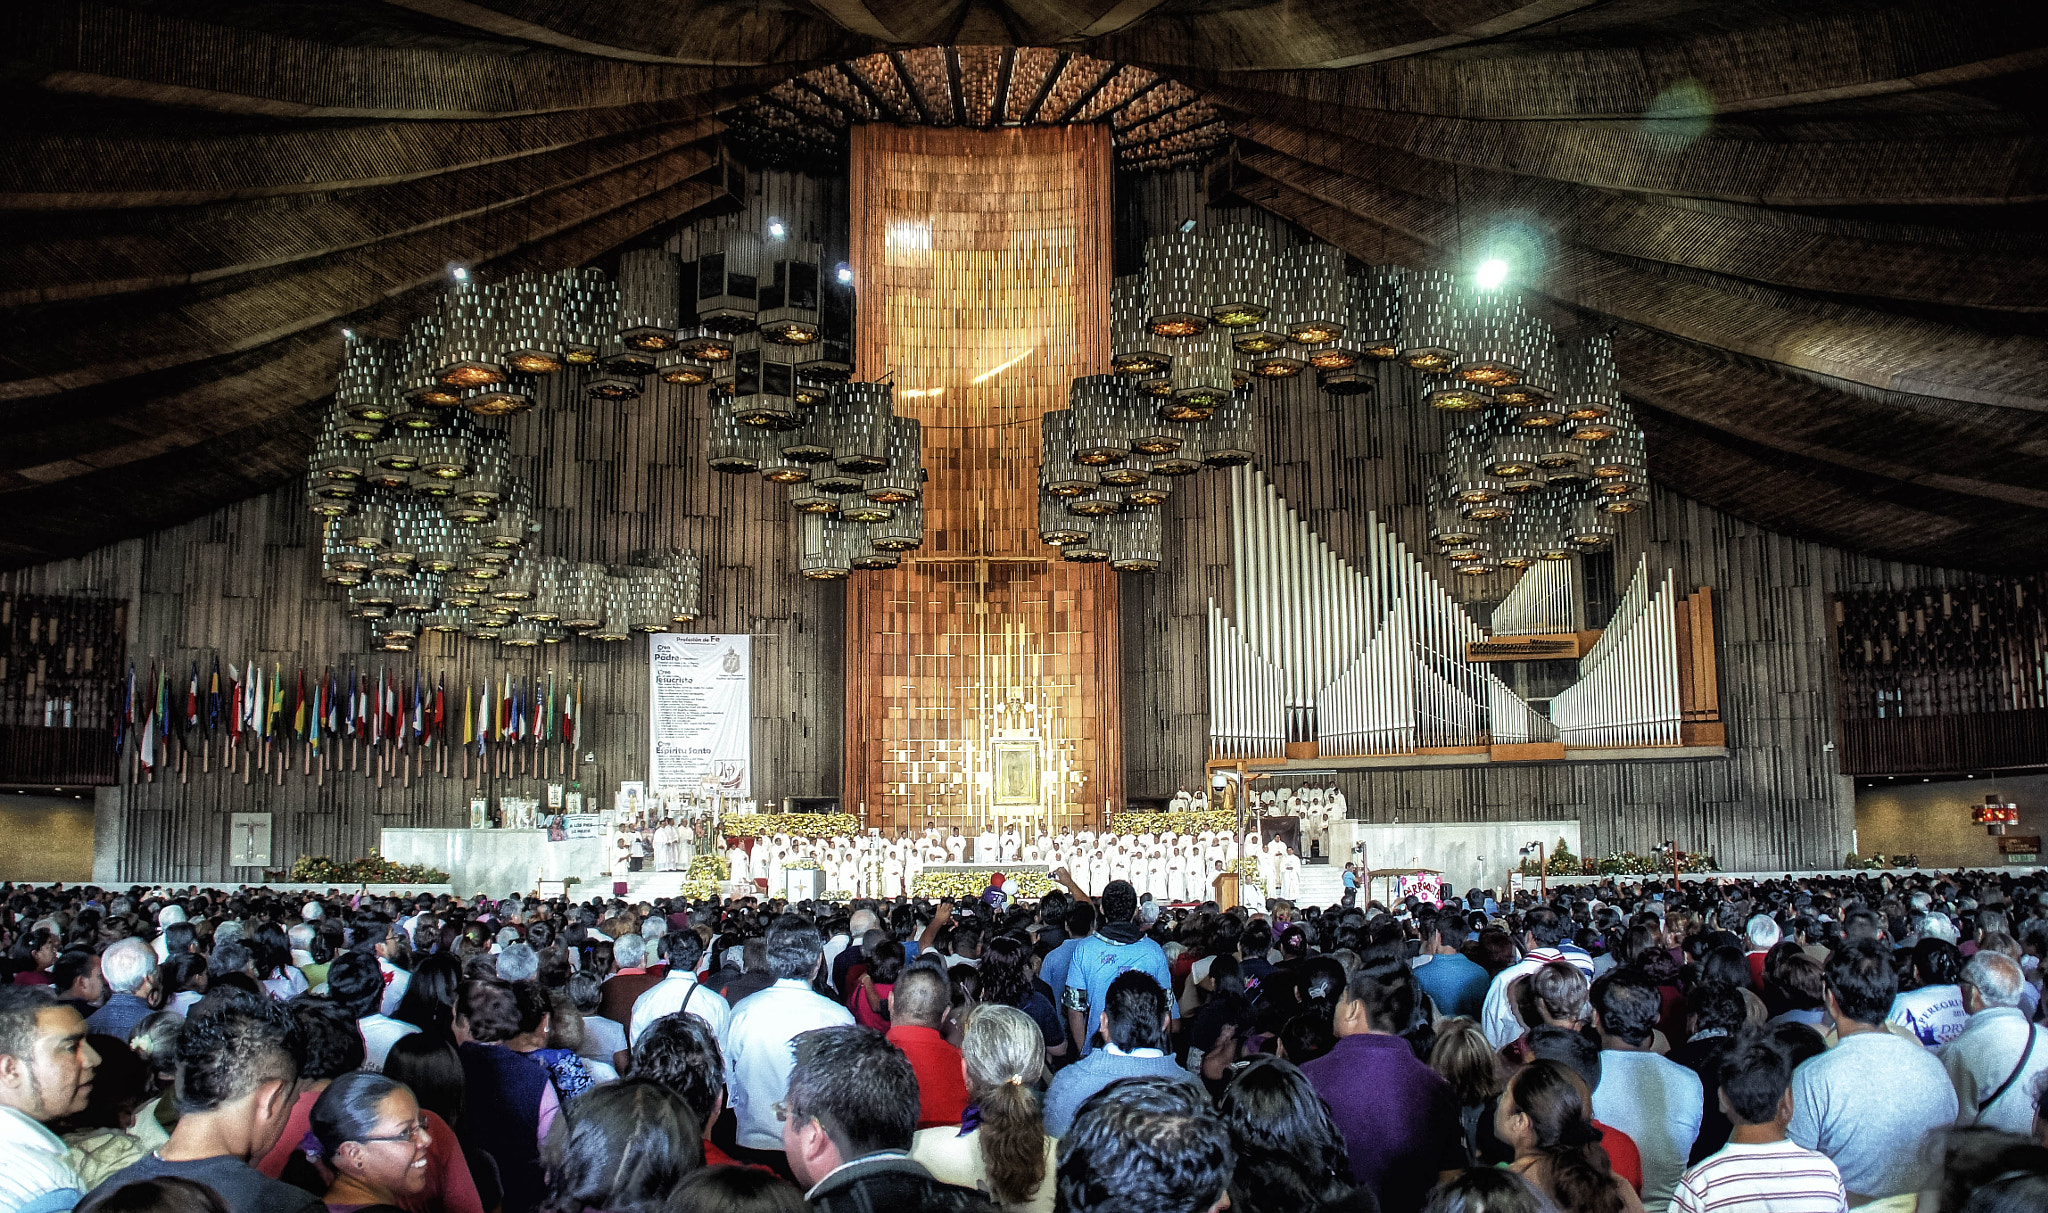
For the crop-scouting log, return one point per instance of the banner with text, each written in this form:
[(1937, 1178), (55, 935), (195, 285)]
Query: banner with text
[(701, 717)]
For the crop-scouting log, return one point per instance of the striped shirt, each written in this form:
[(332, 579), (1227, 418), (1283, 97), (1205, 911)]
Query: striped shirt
[(1776, 1177)]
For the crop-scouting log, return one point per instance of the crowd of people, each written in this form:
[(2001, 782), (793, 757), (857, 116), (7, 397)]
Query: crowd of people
[(1733, 1046)]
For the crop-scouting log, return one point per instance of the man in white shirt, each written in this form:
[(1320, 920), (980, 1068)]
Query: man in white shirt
[(2000, 1060), (1542, 942), (1759, 1170), (1653, 1099), (759, 1031), (679, 992)]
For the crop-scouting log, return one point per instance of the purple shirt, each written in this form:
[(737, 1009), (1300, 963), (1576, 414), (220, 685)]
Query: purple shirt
[(1398, 1117)]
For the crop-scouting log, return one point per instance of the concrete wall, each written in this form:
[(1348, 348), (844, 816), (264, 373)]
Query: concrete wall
[(48, 837), (1932, 820)]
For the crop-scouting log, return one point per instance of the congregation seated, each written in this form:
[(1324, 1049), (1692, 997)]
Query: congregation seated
[(1279, 1059)]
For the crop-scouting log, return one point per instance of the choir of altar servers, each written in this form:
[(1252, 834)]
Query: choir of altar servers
[(1168, 866)]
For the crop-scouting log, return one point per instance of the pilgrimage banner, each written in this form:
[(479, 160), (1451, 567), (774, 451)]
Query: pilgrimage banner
[(701, 716)]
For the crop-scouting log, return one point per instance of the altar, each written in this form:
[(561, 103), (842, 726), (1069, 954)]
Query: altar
[(499, 862), (1466, 853)]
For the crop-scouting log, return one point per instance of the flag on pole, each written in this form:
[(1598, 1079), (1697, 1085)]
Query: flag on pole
[(234, 703), (192, 699), (213, 698), (147, 755)]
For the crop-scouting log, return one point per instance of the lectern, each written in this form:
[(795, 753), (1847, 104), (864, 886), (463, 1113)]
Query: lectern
[(1226, 890)]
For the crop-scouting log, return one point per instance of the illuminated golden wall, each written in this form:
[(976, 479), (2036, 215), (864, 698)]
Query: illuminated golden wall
[(982, 263)]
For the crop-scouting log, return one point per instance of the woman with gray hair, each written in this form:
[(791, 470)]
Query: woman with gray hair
[(1001, 1147)]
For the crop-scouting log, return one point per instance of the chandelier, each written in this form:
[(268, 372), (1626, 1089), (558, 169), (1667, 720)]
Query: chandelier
[(1543, 455)]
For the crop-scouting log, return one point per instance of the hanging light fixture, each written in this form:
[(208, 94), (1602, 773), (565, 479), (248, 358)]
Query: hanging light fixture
[(588, 315), (532, 331), (1058, 473), (1134, 348), (728, 280), (1056, 527), (1429, 314), (471, 313), (1375, 311), (1490, 327), (789, 294), (1103, 414), (1452, 394), (650, 293), (1177, 284), (1241, 292), (1310, 288)]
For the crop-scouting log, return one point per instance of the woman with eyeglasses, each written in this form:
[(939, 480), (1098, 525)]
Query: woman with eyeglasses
[(374, 1143)]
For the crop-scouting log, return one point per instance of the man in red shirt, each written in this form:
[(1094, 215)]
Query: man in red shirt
[(917, 1005)]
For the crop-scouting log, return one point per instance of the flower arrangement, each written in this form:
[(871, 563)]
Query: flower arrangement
[(1878, 863), (964, 885), (800, 865), (696, 889), (370, 869), (1248, 873), (838, 894), (1559, 862), (796, 825), (1222, 821), (1628, 863), (711, 869)]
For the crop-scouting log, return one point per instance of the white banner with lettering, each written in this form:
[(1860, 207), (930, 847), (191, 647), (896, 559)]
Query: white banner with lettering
[(701, 715)]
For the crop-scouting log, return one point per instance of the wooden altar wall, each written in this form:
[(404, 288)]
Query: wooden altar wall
[(982, 263)]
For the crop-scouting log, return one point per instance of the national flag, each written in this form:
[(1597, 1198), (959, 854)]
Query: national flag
[(213, 704), (276, 706), (234, 703), (419, 708), (440, 725), (147, 754), (299, 722), (468, 718), (483, 716), (124, 715), (192, 699)]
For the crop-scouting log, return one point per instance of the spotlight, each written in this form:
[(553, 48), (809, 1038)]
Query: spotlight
[(776, 230), (1187, 225), (844, 273), (1491, 274), (349, 333), (459, 274)]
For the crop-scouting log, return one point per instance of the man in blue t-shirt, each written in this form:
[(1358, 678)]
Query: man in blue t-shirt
[(1453, 982), (1119, 946)]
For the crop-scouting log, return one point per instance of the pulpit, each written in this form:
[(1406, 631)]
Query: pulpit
[(1226, 890)]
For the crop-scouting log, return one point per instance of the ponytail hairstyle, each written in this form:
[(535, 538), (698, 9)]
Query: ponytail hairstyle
[(1554, 1100), (1005, 1054)]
